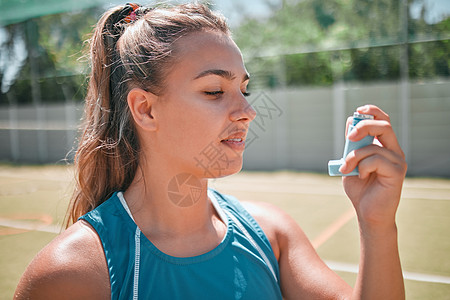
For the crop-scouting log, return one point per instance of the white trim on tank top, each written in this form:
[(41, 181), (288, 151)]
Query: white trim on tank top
[(222, 214)]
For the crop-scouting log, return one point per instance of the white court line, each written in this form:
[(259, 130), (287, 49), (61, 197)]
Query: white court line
[(352, 268), (293, 189), (63, 178), (31, 226), (336, 266)]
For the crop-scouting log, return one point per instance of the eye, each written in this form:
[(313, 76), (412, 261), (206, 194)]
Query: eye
[(214, 93)]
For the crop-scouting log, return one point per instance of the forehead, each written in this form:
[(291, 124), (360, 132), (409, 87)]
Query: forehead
[(198, 51)]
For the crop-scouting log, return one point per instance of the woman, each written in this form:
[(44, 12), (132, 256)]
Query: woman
[(168, 84)]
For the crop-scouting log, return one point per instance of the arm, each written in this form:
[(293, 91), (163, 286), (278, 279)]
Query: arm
[(72, 266), (302, 272), (375, 194)]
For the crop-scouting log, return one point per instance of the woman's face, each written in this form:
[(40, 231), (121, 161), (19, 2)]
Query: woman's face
[(203, 115)]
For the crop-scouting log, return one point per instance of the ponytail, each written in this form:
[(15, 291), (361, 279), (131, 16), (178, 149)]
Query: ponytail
[(107, 155), (108, 152)]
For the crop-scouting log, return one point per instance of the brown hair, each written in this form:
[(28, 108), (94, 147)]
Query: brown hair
[(123, 56)]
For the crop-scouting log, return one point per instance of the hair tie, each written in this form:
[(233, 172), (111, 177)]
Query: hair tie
[(132, 14)]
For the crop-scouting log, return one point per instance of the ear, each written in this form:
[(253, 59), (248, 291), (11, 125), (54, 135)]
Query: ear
[(141, 103)]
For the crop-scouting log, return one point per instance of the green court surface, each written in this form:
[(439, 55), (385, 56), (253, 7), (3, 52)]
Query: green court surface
[(33, 201)]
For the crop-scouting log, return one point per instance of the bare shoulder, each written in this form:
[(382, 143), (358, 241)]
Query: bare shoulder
[(276, 224), (302, 272), (72, 266)]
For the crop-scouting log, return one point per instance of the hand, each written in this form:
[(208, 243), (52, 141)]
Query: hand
[(376, 192)]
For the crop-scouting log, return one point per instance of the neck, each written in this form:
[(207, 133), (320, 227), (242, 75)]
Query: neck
[(173, 211)]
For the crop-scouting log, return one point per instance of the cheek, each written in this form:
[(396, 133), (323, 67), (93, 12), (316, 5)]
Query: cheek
[(192, 125)]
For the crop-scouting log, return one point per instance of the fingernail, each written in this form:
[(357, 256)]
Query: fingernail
[(342, 168)]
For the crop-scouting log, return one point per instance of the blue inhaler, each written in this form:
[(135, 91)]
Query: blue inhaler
[(334, 165)]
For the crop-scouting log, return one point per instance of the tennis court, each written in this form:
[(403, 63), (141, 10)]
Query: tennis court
[(33, 200)]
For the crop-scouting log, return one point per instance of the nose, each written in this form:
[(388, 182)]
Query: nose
[(243, 111)]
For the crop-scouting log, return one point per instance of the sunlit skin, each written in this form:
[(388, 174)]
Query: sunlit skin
[(203, 104), (204, 97)]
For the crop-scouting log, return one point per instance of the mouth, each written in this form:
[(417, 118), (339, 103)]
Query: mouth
[(235, 141)]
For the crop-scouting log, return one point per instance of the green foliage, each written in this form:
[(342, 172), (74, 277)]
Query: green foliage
[(326, 40), (55, 57), (430, 59), (310, 42), (308, 69)]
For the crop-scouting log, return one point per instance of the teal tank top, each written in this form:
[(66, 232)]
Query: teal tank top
[(242, 266)]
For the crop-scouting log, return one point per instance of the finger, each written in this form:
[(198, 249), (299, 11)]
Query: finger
[(371, 110), (375, 111), (355, 157), (381, 129), (347, 124), (382, 166)]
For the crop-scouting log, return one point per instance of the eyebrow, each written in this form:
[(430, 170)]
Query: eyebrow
[(222, 73)]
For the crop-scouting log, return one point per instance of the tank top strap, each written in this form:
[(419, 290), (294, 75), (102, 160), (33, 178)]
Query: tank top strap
[(229, 207)]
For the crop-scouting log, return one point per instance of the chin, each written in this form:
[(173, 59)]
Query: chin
[(229, 172), (219, 171)]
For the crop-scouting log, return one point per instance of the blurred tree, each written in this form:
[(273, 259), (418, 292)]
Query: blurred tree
[(310, 42), (52, 47), (327, 40)]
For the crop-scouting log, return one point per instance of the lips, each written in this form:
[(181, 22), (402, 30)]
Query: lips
[(235, 140), (236, 136)]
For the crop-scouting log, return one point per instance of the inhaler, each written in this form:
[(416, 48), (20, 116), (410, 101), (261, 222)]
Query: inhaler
[(334, 165)]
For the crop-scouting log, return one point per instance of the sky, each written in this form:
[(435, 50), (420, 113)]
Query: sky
[(233, 10), (236, 10), (436, 10)]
